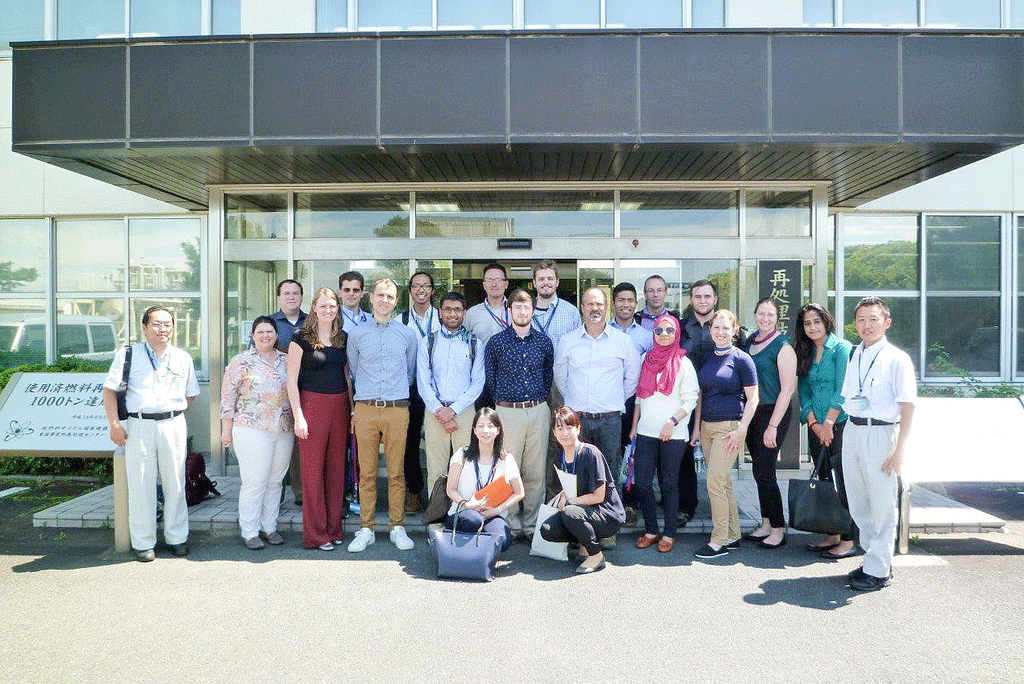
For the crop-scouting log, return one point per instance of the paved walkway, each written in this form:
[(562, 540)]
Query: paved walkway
[(930, 512)]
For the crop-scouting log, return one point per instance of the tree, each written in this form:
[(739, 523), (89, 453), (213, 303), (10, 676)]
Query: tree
[(11, 278)]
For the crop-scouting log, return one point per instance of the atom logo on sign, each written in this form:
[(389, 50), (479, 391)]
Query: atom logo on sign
[(18, 430)]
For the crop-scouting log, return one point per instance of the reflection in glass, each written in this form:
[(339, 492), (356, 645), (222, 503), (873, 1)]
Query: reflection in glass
[(351, 215), (819, 13), (90, 256), (331, 16), (250, 290), (643, 13), (514, 214), (255, 217), (905, 332), (880, 252), (90, 328), (680, 274), (23, 20), (316, 274), (563, 14), (972, 342), (24, 262), (22, 331), (90, 19), (960, 14), (778, 213), (164, 255), (707, 13), (227, 17), (679, 214), (187, 332), (385, 15), (831, 254), (474, 14), (963, 253), (166, 17), (880, 12)]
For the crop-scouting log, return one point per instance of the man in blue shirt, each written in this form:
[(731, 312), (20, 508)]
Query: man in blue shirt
[(350, 288), (289, 318), (382, 358), (518, 363)]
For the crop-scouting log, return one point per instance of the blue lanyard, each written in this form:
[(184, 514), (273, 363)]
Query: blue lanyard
[(504, 313), (352, 318), (575, 459), (476, 466), (430, 321), (553, 309), (152, 359), (862, 379)]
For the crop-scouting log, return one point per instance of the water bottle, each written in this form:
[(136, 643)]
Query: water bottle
[(698, 459)]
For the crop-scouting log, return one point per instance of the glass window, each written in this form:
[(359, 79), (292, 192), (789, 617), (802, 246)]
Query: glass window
[(250, 290), (880, 12), (164, 255), (90, 19), (439, 269), (679, 274), (819, 13), (905, 332), (960, 14), (166, 17), (89, 328), (474, 14), (514, 214), (22, 331), (679, 214), (255, 217), (597, 273), (387, 15), (643, 13), (187, 333), (972, 342), (316, 274), (1020, 296), (90, 256), (778, 213), (707, 13), (23, 20), (351, 215), (227, 17), (880, 253), (831, 255), (1016, 13), (563, 14), (24, 264), (963, 253), (331, 15)]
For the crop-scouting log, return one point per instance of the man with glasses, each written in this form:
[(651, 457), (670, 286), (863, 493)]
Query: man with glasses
[(289, 318), (450, 376), (161, 385), (350, 287), (655, 294), (490, 316), (423, 319)]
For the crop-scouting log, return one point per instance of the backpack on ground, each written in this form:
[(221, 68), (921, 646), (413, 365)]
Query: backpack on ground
[(198, 486)]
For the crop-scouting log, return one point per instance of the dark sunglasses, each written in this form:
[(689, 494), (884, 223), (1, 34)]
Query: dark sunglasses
[(664, 331)]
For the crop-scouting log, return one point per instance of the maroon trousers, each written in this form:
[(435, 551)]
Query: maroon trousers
[(322, 456)]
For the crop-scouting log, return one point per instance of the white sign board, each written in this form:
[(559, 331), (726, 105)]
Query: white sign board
[(966, 440), (54, 412)]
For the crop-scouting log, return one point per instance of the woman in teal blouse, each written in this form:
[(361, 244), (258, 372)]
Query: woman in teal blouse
[(821, 359)]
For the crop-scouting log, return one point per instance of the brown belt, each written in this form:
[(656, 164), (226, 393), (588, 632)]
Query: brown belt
[(517, 404), (599, 416), (381, 403)]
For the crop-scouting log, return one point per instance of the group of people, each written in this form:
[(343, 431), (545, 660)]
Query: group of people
[(489, 386)]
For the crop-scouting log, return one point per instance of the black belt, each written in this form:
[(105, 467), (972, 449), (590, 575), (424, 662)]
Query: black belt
[(599, 416), (517, 404), (157, 416), (868, 421), (381, 403)]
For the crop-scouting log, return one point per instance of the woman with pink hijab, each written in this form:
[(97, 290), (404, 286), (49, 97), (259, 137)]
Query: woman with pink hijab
[(665, 397)]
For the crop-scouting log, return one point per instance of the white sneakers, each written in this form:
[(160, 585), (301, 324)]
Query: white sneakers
[(364, 537), (401, 539)]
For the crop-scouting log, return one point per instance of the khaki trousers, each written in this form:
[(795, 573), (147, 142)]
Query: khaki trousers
[(374, 426), (525, 435), (441, 445), (725, 515)]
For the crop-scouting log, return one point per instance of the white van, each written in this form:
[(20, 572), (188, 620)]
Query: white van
[(92, 338)]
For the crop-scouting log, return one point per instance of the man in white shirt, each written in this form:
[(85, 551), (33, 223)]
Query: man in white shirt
[(350, 287), (422, 318), (878, 396), (596, 368), (161, 385), (450, 377)]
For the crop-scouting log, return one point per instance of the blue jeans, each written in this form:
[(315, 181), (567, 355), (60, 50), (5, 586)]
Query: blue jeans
[(469, 521)]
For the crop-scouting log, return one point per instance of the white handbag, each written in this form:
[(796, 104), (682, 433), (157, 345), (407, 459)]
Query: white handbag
[(542, 547)]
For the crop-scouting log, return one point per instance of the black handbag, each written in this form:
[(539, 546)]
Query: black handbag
[(814, 504), (122, 390), (438, 503), (465, 555)]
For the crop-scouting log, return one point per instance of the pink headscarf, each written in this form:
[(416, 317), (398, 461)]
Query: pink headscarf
[(664, 360)]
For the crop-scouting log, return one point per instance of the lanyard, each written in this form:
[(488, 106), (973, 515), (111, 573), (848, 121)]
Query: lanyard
[(551, 317), (575, 459), (152, 359), (503, 321), (476, 466), (862, 379), (430, 321), (351, 318)]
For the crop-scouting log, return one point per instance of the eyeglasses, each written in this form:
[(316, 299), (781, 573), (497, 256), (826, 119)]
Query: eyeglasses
[(421, 286), (451, 310), (161, 326), (664, 331), (655, 290), (494, 281)]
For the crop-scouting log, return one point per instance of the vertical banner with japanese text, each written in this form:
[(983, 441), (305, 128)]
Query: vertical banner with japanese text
[(781, 280)]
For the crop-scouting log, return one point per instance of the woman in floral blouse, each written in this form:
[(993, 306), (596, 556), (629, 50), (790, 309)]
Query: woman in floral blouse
[(256, 418)]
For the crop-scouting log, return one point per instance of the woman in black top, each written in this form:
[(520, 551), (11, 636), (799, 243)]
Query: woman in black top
[(594, 510), (319, 394)]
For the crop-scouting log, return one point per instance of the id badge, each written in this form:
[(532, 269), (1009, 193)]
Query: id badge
[(858, 403)]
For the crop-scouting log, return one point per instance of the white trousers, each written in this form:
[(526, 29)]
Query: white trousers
[(525, 434), (441, 445), (872, 494), (263, 459), (156, 446)]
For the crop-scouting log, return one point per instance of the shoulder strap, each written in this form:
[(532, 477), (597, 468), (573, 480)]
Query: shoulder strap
[(638, 319), (431, 339), (472, 351), (126, 371), (405, 318)]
